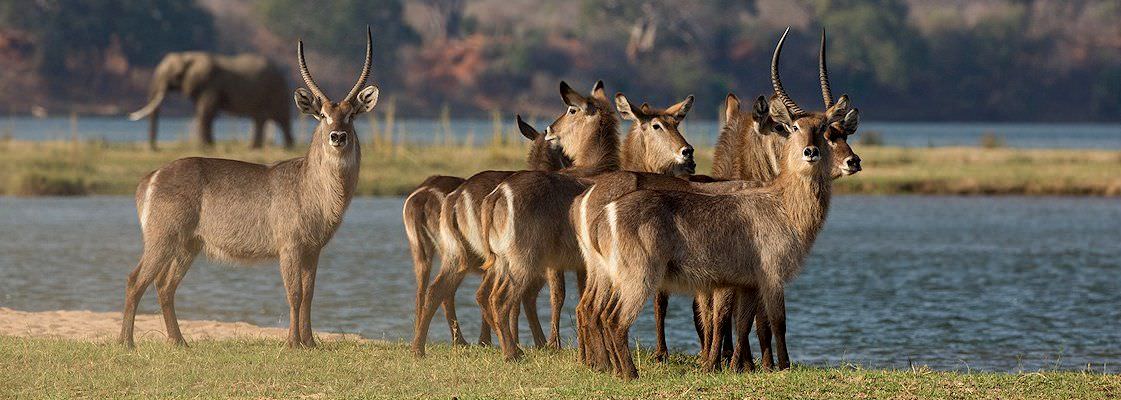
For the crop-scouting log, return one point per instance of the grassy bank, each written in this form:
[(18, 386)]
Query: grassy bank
[(86, 168), (36, 368)]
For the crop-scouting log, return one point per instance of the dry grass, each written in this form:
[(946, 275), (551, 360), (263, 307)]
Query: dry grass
[(84, 168)]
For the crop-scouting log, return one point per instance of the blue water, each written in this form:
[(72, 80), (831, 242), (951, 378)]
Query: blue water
[(702, 133), (959, 283)]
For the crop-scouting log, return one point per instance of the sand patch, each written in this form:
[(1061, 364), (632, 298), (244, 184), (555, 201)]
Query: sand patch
[(105, 326)]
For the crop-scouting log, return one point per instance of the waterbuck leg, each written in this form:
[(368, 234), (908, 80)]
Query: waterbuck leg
[(309, 266), (529, 304), (775, 305), (746, 305), (721, 313), (453, 322), (138, 281), (763, 332), (449, 278), (556, 304), (168, 282), (661, 301), (704, 306), (482, 296), (290, 267)]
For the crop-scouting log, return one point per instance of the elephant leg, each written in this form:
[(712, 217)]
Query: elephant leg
[(206, 110), (258, 134), (153, 128), (286, 130)]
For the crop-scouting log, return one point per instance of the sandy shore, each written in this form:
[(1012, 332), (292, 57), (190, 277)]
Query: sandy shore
[(104, 326)]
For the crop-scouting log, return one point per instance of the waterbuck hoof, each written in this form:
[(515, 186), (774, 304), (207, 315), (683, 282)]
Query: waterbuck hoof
[(418, 352), (660, 356), (515, 355)]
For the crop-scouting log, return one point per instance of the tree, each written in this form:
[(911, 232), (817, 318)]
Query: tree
[(336, 28)]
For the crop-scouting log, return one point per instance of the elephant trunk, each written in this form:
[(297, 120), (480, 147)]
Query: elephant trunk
[(152, 105)]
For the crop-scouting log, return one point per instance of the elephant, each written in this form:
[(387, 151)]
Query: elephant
[(246, 85)]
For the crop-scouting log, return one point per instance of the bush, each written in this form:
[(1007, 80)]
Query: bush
[(991, 140), (870, 138)]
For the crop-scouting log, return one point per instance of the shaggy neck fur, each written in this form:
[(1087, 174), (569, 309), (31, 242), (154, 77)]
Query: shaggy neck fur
[(744, 154), (545, 156), (329, 181), (595, 148)]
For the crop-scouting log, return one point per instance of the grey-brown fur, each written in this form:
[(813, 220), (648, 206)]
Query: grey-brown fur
[(243, 212), (650, 240), (526, 217), (455, 215)]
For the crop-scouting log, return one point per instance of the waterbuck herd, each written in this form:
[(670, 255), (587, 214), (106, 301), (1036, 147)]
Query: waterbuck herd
[(629, 217)]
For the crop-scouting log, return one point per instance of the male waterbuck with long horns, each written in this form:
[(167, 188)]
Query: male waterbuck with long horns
[(438, 219), (767, 153), (242, 212), (525, 219), (652, 239)]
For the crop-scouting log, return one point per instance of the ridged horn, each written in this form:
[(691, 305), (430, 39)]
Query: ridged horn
[(776, 82), (304, 73), (823, 73), (365, 67)]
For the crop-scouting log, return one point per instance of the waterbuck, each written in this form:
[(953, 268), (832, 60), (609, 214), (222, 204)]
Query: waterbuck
[(240, 212), (650, 240), (448, 222), (734, 161), (525, 219)]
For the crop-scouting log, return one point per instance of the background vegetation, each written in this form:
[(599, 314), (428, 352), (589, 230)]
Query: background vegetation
[(994, 60)]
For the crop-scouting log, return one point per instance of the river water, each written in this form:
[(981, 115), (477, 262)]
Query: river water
[(699, 132), (961, 283)]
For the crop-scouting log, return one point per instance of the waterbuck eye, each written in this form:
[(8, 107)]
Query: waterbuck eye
[(572, 110), (657, 127)]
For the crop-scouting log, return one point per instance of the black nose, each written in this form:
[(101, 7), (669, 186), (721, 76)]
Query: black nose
[(338, 136), (853, 163), (810, 152), (687, 152)]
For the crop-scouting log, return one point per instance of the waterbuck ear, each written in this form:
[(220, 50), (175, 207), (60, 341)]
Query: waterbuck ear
[(731, 107), (627, 110), (680, 110), (851, 122), (308, 103), (571, 98), (780, 113), (598, 92), (526, 129), (760, 109), (839, 109), (366, 99)]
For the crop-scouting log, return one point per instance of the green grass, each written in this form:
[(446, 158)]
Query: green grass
[(87, 168), (55, 368)]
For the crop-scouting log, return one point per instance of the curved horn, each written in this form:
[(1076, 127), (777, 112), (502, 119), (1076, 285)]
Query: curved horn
[(776, 82), (365, 67), (306, 74), (823, 73)]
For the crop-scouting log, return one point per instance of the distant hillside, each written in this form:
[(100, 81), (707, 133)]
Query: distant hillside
[(991, 60)]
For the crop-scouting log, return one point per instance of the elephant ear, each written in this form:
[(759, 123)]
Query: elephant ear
[(197, 71), (366, 99), (308, 103)]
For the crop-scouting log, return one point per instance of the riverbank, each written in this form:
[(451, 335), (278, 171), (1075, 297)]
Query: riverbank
[(54, 168), (252, 362)]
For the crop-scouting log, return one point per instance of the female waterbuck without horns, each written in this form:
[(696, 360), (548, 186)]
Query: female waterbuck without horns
[(242, 212), (653, 240), (450, 223), (525, 219)]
